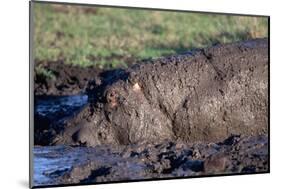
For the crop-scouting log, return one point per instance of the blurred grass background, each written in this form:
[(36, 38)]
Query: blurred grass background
[(113, 37)]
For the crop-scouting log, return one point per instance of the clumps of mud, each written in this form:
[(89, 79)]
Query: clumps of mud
[(206, 95), (162, 160), (62, 79)]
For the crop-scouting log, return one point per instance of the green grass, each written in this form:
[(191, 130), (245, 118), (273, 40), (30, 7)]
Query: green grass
[(110, 37), (44, 73)]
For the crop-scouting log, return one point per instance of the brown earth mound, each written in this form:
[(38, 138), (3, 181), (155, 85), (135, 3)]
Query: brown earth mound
[(66, 79)]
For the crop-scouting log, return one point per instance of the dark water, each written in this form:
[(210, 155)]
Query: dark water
[(59, 106), (45, 163), (51, 160)]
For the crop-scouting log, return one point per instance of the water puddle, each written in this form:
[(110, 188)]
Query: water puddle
[(59, 106), (50, 161)]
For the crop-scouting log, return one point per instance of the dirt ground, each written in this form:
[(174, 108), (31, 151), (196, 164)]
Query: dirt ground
[(67, 79), (163, 160)]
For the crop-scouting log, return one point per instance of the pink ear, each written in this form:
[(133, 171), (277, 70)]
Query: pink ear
[(136, 87)]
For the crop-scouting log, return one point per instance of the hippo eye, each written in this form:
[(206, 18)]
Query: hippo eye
[(121, 99), (112, 98), (111, 95)]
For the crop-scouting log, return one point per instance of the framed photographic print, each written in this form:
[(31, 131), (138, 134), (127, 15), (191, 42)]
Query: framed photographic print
[(122, 94)]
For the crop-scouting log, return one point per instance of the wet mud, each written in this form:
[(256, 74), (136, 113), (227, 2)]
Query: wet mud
[(66, 165)]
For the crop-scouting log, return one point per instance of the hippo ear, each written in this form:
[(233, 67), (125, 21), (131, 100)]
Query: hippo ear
[(136, 87), (112, 98)]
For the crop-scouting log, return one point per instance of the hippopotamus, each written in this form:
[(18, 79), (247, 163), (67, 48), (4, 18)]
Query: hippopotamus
[(203, 95)]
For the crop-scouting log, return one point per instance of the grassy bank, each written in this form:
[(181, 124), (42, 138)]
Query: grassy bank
[(110, 37)]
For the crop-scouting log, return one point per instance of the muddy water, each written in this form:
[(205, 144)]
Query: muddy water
[(50, 114), (59, 106), (55, 159), (45, 163), (55, 165), (52, 162)]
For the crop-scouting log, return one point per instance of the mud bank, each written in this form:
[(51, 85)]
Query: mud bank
[(63, 79), (68, 165), (206, 96)]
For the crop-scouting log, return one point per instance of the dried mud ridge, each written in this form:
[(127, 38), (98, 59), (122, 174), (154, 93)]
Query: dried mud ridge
[(206, 96), (165, 160)]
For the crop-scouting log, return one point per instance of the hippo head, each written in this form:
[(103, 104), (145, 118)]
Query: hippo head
[(121, 114)]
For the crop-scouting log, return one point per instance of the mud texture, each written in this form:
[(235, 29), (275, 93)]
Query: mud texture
[(206, 95), (149, 161), (66, 79)]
